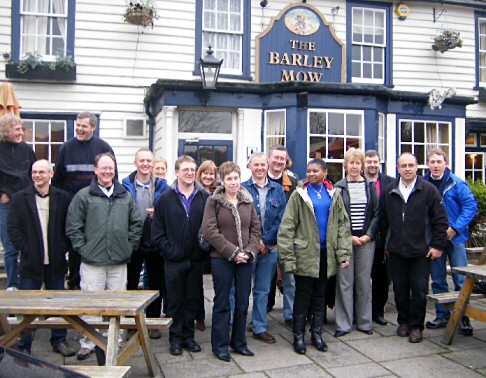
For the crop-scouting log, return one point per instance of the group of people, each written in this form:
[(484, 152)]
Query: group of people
[(365, 230)]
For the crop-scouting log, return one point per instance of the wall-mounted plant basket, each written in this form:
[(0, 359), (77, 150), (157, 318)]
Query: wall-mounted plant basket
[(40, 73), (140, 16), (447, 40)]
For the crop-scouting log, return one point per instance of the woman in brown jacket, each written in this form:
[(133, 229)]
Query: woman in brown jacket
[(231, 226)]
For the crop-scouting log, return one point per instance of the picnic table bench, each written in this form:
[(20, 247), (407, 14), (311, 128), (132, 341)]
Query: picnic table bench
[(72, 305)]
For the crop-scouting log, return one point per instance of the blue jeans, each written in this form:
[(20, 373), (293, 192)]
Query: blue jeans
[(11, 255), (288, 293), (457, 257), (57, 335), (224, 272), (264, 269)]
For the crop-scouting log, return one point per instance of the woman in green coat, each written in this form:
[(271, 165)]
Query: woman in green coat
[(314, 237)]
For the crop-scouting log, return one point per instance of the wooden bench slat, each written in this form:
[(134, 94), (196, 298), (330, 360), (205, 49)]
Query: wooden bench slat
[(101, 371), (125, 323), (451, 297)]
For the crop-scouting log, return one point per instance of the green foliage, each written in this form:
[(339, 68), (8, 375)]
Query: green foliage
[(63, 61), (477, 234), (31, 61)]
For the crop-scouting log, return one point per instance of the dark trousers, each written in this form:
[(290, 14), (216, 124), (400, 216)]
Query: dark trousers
[(183, 280), (224, 272), (410, 284), (74, 279), (154, 266), (379, 283), (57, 335), (310, 293)]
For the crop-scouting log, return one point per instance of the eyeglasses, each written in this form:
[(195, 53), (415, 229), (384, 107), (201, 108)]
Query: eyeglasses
[(187, 170)]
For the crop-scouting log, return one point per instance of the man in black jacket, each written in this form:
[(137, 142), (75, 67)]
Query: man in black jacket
[(415, 222), (177, 218), (379, 272), (16, 159), (36, 227)]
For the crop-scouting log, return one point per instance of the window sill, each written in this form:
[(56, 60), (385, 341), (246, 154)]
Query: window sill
[(42, 73)]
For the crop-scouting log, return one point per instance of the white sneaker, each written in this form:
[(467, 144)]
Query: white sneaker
[(11, 288)]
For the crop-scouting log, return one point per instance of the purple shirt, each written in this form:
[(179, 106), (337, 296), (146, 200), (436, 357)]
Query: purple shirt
[(186, 201)]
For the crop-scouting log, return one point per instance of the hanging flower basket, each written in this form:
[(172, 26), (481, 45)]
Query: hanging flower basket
[(140, 13), (447, 40)]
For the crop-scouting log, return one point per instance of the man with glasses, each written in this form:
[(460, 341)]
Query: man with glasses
[(415, 222), (16, 159), (177, 218)]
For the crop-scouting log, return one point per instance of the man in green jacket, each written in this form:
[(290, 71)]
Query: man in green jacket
[(105, 227)]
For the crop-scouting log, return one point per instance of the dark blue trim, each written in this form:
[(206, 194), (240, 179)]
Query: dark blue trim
[(70, 118), (245, 43), (477, 16), (388, 77), (227, 143), (15, 16)]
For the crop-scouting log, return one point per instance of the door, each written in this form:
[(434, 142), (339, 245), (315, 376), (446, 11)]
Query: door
[(218, 151)]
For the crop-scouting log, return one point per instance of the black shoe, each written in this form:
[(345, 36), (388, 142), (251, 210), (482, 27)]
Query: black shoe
[(83, 354), (64, 349), (192, 346), (244, 351), (223, 357), (176, 349), (380, 320), (340, 333), (402, 330), (366, 331), (465, 327), (437, 323)]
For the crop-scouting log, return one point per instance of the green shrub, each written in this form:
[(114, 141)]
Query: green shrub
[(477, 231)]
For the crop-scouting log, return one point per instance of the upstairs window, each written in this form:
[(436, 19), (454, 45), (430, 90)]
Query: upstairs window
[(225, 25), (481, 51), (43, 26), (368, 50)]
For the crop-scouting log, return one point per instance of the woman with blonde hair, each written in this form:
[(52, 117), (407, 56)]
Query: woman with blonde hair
[(207, 176), (160, 167), (353, 285)]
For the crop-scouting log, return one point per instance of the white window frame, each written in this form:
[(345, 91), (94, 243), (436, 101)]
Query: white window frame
[(49, 37), (481, 52), (428, 145), (218, 51), (362, 44), (381, 136), (475, 143), (267, 136), (472, 170), (480, 142), (126, 135), (33, 143)]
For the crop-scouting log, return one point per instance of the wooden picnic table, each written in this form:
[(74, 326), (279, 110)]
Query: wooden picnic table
[(462, 306), (71, 305)]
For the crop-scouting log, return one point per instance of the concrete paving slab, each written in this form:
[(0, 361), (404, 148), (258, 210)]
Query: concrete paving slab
[(472, 358), (359, 371), (308, 371), (338, 355), (249, 375), (430, 367), (393, 348), (210, 367)]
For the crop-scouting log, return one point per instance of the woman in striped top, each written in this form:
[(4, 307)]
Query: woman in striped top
[(353, 286)]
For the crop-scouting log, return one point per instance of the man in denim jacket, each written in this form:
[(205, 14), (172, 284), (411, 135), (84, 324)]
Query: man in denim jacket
[(461, 207), (269, 201)]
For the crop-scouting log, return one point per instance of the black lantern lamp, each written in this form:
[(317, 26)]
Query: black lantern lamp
[(209, 67)]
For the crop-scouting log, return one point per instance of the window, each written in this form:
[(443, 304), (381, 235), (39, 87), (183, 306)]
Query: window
[(225, 25), (471, 140), (475, 166), (45, 136), (331, 134), (381, 136), (481, 51), (482, 140), (368, 33), (45, 26), (419, 137), (196, 121), (274, 128)]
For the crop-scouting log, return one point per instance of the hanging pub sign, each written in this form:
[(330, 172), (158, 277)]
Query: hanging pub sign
[(300, 45)]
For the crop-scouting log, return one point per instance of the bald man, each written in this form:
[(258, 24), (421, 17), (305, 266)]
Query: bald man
[(35, 226)]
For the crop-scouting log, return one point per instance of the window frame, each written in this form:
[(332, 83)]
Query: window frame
[(475, 143), (479, 16), (266, 137), (126, 135), (473, 170), (387, 48), (479, 142), (381, 136), (245, 43), (16, 33)]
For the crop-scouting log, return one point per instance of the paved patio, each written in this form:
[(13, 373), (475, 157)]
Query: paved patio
[(382, 354)]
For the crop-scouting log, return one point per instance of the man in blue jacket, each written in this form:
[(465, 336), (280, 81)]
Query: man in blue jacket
[(461, 207), (269, 200), (146, 189)]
